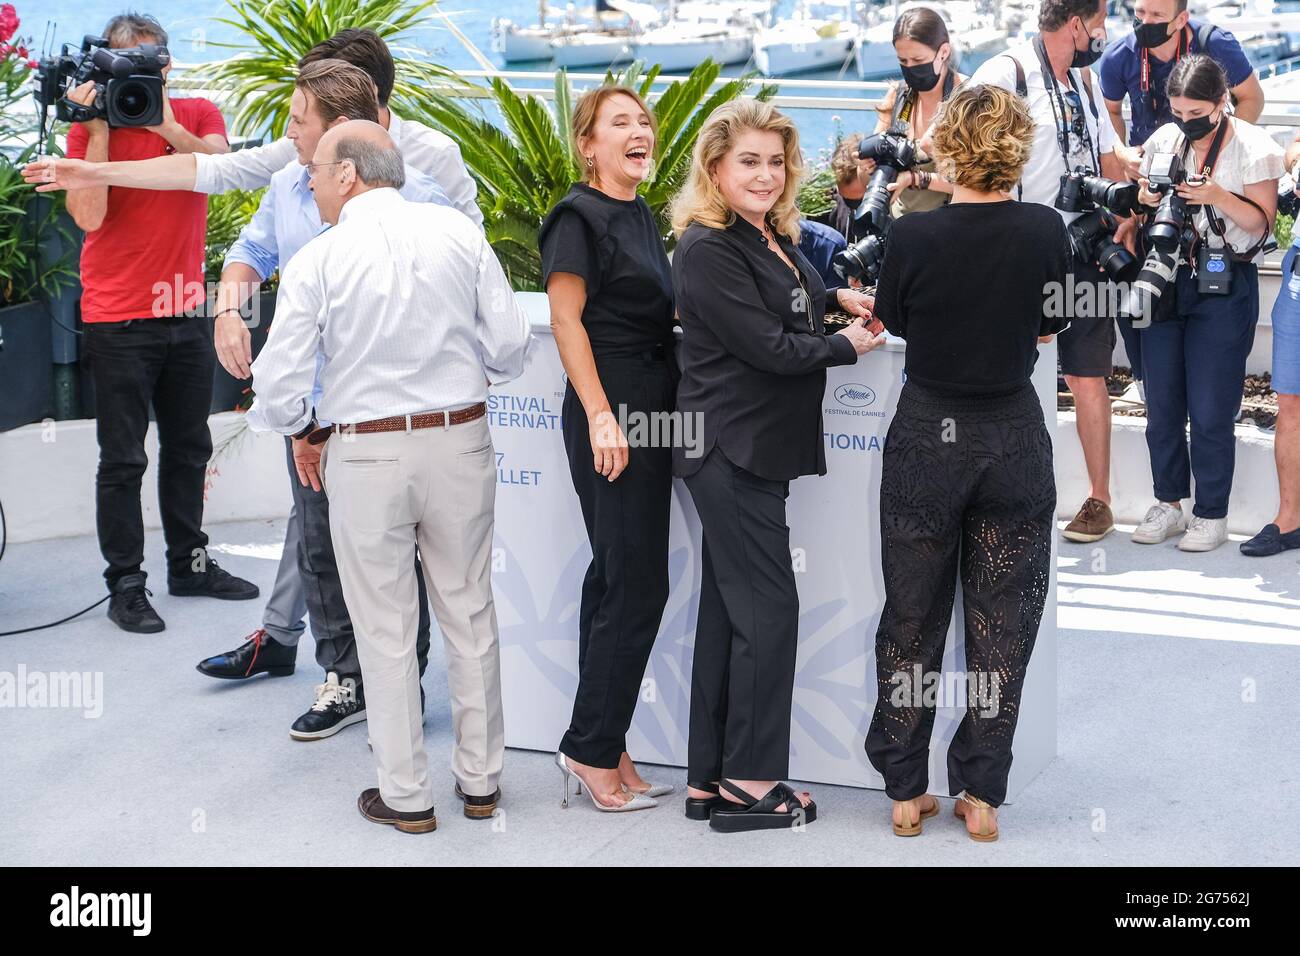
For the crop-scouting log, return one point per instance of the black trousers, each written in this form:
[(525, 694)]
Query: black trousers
[(331, 625), (167, 362), (626, 586), (967, 486), (747, 634)]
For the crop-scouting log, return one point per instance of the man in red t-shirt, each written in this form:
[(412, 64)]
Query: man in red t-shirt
[(142, 283)]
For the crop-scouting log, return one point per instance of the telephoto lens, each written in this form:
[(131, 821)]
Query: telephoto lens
[(1140, 303)]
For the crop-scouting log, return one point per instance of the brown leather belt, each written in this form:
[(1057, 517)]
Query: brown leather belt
[(401, 423)]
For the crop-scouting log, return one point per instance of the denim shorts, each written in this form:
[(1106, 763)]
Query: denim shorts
[(1286, 329)]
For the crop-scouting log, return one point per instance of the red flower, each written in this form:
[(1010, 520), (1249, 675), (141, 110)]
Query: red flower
[(8, 21), (32, 64), (22, 52)]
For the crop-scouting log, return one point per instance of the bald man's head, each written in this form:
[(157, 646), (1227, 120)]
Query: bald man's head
[(375, 158), (352, 158)]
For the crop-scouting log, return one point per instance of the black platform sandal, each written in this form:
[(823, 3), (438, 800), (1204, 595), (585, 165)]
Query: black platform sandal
[(761, 814), (698, 808)]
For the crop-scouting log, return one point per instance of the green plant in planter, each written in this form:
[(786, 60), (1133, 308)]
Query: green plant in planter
[(25, 220), (260, 76), (526, 168)]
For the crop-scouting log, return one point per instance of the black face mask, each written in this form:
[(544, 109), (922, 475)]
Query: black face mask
[(1197, 128), (1090, 55), (1150, 35), (921, 78)]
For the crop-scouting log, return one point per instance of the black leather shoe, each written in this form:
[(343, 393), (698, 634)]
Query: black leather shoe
[(260, 654), (338, 705), (1270, 541), (214, 582), (129, 607), (479, 808)]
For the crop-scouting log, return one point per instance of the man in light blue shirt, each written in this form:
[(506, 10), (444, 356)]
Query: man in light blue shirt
[(327, 94)]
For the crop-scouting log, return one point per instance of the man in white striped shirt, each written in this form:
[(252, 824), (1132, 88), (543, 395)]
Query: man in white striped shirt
[(415, 318)]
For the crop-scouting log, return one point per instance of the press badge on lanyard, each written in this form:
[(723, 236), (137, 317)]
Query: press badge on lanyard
[(1293, 280)]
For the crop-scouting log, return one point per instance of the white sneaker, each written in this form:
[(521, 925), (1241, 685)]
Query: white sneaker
[(1163, 520), (1204, 534)]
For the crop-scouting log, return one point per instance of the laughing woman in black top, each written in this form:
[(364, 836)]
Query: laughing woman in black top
[(754, 356), (611, 298), (967, 474)]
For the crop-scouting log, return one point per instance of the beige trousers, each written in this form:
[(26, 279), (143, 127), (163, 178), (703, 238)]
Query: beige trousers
[(389, 491)]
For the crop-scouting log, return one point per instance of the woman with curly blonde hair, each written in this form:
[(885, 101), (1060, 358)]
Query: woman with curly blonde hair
[(967, 479), (754, 358)]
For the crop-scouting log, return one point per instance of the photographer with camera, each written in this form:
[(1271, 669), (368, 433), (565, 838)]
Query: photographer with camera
[(1051, 74), (1138, 66), (901, 178), (967, 479), (924, 58), (1216, 177), (846, 195), (144, 347)]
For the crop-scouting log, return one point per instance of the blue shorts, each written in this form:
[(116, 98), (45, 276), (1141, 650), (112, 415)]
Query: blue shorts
[(1286, 330)]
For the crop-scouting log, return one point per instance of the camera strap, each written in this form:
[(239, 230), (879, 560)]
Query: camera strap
[(1060, 111), (1216, 223), (904, 105), (1203, 35)]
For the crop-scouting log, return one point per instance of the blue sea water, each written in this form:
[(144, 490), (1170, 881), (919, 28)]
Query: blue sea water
[(196, 34)]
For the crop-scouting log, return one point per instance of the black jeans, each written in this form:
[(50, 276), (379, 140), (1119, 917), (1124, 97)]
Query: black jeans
[(169, 362), (747, 633), (626, 586), (966, 482), (331, 624)]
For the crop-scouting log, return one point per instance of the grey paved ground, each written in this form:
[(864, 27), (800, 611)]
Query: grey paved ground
[(1179, 715)]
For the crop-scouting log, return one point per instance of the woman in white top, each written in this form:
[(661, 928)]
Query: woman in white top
[(1194, 351)]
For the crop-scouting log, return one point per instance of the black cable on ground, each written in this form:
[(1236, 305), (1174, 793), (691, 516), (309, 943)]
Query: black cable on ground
[(4, 540)]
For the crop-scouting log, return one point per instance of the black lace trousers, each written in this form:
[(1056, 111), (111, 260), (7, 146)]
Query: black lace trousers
[(966, 486)]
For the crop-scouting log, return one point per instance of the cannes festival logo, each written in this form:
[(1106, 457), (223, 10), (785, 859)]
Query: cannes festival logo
[(853, 395)]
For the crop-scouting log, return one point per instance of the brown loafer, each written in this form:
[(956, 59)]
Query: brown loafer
[(1093, 522), (374, 809), (479, 808)]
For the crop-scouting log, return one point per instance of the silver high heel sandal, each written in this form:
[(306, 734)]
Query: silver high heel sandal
[(654, 790), (638, 801)]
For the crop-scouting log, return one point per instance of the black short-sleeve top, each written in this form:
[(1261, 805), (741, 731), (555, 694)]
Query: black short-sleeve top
[(614, 245)]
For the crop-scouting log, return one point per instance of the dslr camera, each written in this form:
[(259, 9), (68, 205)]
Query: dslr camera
[(893, 153), (128, 83), (1092, 234), (1169, 234), (862, 259), (1081, 191)]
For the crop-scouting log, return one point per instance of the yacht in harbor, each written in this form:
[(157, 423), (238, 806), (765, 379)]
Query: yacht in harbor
[(723, 32), (818, 36)]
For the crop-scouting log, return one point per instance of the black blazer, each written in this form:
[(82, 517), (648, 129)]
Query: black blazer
[(754, 352)]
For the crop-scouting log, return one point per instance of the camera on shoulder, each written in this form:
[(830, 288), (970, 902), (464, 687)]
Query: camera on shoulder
[(128, 83)]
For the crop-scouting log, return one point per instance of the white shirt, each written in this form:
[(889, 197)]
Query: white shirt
[(431, 152), (1251, 156), (410, 308), (1041, 180)]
